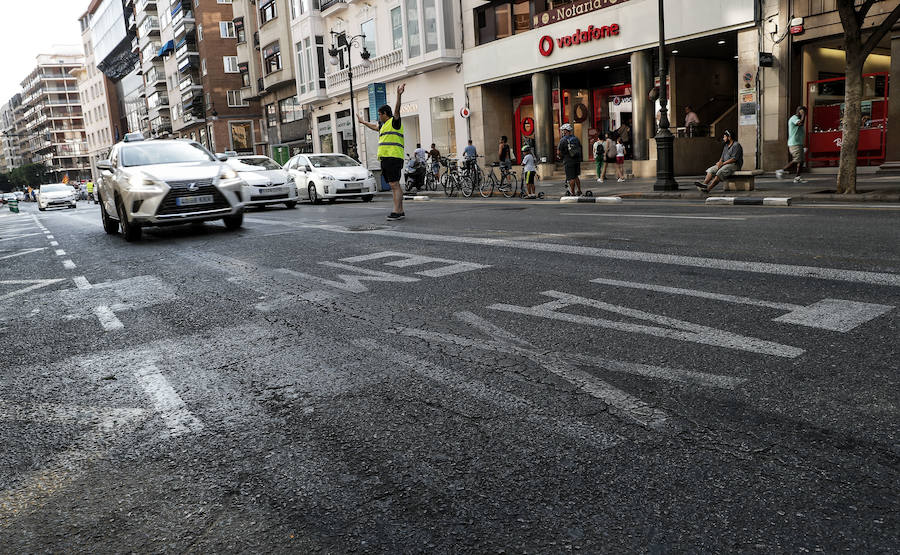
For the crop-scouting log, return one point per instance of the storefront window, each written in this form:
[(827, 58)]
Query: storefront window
[(323, 128), (443, 124)]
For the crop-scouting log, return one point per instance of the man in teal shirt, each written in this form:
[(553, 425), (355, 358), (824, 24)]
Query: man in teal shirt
[(796, 134)]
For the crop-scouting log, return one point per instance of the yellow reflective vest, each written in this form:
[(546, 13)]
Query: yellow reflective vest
[(90, 186), (390, 140)]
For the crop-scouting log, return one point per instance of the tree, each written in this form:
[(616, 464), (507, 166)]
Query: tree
[(29, 174), (858, 44), (5, 184)]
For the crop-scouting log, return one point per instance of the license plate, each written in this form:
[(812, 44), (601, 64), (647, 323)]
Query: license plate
[(191, 201), (273, 190)]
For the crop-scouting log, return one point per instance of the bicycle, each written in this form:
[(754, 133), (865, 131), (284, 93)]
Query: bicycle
[(431, 181), (471, 177), (508, 184), (450, 179)]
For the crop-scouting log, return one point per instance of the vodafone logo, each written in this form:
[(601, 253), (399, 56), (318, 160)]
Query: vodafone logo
[(546, 44)]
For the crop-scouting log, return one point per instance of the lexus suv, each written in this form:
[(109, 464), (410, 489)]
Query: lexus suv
[(164, 182)]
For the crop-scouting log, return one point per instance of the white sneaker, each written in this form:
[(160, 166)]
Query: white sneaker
[(798, 180), (599, 181), (779, 173), (621, 179)]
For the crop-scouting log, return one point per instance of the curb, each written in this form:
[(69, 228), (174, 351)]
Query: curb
[(592, 200), (416, 197), (750, 201)]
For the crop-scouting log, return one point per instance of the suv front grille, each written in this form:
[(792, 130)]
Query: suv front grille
[(179, 189)]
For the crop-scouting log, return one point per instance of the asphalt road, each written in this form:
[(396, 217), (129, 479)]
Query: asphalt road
[(485, 376)]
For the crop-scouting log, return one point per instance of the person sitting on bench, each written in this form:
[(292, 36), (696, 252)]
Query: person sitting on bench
[(731, 161)]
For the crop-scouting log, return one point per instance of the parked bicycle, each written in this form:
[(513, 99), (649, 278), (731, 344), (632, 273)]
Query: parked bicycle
[(431, 180), (472, 175), (507, 183), (452, 180)]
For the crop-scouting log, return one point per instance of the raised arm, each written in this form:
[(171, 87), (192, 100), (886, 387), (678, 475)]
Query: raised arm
[(368, 124), (400, 90)]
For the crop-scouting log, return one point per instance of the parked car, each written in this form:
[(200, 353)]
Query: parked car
[(265, 182), (54, 195), (164, 182), (20, 196), (330, 176)]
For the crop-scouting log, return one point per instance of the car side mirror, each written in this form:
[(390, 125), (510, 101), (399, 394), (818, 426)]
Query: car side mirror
[(221, 157), (104, 165), (307, 168)]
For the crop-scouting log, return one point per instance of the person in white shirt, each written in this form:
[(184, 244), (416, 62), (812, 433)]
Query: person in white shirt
[(691, 120), (620, 160), (420, 154), (529, 171)]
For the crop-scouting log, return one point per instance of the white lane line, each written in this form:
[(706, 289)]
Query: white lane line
[(81, 282), (673, 217), (19, 236), (54, 243), (813, 272), (679, 330), (60, 252), (573, 427), (68, 265), (828, 314), (167, 402), (107, 318), (32, 285), (50, 237), (22, 252)]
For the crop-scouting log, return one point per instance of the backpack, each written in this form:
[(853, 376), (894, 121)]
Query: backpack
[(598, 150), (574, 147)]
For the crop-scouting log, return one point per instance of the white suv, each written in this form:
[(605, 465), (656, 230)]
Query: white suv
[(161, 182)]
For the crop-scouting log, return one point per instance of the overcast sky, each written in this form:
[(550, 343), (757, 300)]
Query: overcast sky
[(32, 27)]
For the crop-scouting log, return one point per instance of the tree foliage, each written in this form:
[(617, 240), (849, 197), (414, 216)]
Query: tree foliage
[(29, 174)]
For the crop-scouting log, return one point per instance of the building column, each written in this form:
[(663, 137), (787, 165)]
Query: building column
[(543, 122), (643, 118), (892, 136)]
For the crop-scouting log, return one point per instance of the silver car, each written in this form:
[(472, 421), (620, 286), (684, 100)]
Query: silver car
[(54, 195), (164, 182)]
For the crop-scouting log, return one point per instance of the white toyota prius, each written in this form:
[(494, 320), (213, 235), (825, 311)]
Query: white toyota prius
[(265, 182), (330, 176)]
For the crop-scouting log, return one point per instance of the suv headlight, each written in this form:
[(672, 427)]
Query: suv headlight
[(228, 173), (138, 183)]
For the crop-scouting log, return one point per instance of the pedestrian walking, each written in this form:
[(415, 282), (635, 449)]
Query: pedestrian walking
[(796, 136), (732, 160), (620, 159), (390, 150), (503, 153), (435, 156), (569, 151), (529, 171), (609, 154), (599, 154)]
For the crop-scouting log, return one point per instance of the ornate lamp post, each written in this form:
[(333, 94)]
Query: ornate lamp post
[(665, 149), (337, 49)]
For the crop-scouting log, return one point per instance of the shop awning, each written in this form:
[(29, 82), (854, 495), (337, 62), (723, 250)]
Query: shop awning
[(166, 48)]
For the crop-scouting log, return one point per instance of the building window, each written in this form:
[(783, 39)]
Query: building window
[(412, 27), (235, 99), (272, 57), (200, 32), (367, 28), (397, 28), (429, 11), (230, 63), (503, 15), (203, 65), (267, 11), (320, 58), (271, 115), (290, 109), (239, 30), (226, 30), (449, 29), (245, 79), (223, 1)]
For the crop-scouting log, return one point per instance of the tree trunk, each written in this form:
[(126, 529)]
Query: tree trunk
[(850, 123)]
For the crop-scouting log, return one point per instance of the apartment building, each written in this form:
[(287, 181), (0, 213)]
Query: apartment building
[(99, 101), (52, 128), (417, 42), (267, 70), (9, 134)]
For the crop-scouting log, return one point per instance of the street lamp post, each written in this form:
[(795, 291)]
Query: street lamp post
[(665, 149), (335, 50)]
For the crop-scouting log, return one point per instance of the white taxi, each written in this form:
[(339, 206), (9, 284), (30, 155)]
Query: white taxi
[(330, 176), (265, 182)]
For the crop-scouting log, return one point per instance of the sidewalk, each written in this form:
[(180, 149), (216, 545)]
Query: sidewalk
[(821, 187)]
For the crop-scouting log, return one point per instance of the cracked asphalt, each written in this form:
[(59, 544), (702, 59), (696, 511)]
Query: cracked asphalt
[(323, 381)]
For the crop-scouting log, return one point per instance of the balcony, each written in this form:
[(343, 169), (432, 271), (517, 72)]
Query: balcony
[(182, 22), (150, 26), (329, 7), (184, 49), (378, 67)]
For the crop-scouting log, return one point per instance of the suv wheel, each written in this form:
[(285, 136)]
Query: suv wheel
[(234, 222), (130, 231), (110, 225)]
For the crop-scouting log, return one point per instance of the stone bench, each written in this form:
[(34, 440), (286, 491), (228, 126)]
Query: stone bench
[(744, 180)]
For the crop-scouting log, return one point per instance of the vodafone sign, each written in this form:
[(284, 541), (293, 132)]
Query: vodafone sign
[(546, 44)]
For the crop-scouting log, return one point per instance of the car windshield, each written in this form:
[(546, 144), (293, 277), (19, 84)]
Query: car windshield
[(340, 161), (264, 163), (55, 188), (150, 153)]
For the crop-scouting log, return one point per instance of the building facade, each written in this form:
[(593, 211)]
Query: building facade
[(9, 133), (52, 128)]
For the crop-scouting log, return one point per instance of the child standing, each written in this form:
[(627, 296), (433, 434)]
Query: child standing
[(529, 171), (620, 160)]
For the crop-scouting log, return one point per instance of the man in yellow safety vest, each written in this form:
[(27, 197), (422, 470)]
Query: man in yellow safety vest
[(90, 190), (390, 149)]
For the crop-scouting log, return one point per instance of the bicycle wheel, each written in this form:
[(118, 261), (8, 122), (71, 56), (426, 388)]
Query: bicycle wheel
[(466, 185), (447, 183), (506, 186), (487, 185)]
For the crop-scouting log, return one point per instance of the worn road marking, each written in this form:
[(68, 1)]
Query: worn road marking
[(22, 252), (167, 402), (19, 236), (59, 470), (350, 282), (574, 427), (68, 265), (60, 252), (675, 329), (449, 267), (828, 314), (81, 282), (666, 216), (54, 243), (108, 318), (34, 284), (813, 272)]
